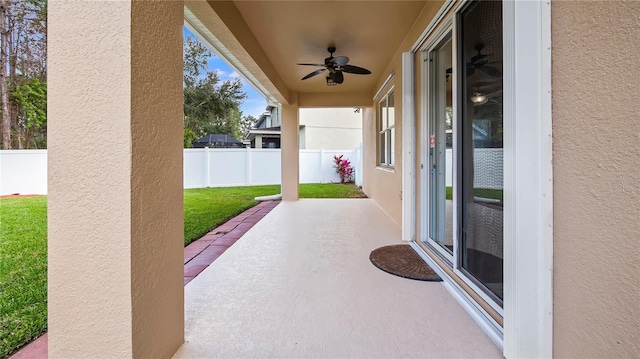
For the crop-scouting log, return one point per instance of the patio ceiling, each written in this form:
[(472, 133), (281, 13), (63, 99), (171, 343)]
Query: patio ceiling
[(265, 40)]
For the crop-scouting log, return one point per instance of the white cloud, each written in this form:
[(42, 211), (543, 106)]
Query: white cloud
[(234, 75), (221, 73)]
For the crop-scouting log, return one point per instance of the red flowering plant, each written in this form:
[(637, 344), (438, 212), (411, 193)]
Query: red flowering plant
[(343, 168)]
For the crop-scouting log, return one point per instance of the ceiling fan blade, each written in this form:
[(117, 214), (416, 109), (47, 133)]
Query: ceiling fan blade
[(480, 59), (340, 60), (355, 70), (311, 64), (316, 72), (491, 71), (337, 77)]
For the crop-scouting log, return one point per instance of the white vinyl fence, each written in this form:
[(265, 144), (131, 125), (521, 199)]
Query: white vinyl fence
[(25, 171), (487, 168), (356, 161), (253, 167)]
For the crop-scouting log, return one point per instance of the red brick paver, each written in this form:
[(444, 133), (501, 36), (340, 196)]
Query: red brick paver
[(197, 256)]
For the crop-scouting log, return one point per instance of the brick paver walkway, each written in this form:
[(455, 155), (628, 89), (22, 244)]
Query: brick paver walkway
[(197, 256)]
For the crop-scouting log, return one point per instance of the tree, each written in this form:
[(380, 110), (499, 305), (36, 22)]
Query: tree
[(31, 99), (5, 6), (247, 123), (23, 60), (210, 105)]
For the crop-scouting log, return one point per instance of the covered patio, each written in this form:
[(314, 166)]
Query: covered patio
[(300, 284)]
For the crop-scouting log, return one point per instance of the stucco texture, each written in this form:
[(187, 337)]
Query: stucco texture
[(157, 236), (88, 211), (289, 147), (115, 210), (596, 129), (330, 128)]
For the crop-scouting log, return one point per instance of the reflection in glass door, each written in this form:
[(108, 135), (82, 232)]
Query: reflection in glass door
[(464, 118), (480, 146), (440, 131)]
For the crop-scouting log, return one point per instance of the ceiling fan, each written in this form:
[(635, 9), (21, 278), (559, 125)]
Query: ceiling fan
[(336, 66), (480, 61)]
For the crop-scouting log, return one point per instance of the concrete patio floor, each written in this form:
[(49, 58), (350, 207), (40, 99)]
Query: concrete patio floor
[(300, 284)]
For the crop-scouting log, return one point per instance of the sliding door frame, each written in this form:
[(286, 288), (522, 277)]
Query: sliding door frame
[(528, 177), (447, 30)]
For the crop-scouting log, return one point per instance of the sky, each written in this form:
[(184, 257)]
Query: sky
[(254, 104)]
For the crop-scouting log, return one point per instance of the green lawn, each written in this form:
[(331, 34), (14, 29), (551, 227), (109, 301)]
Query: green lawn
[(479, 192), (330, 190), (23, 271), (23, 248), (206, 208)]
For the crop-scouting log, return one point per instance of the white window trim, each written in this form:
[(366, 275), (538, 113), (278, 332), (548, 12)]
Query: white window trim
[(386, 83), (390, 129), (385, 168), (528, 266)]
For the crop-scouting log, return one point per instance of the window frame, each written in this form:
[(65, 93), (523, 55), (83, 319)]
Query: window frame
[(388, 132)]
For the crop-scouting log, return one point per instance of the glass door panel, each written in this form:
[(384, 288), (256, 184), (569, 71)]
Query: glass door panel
[(440, 131), (480, 146)]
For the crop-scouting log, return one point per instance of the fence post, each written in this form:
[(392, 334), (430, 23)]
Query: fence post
[(248, 163), (207, 173), (361, 163), (322, 165)]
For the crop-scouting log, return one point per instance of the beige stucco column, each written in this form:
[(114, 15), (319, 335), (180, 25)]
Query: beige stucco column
[(258, 139), (290, 152), (115, 286)]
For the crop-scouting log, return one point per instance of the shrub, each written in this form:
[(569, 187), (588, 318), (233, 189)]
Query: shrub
[(343, 168)]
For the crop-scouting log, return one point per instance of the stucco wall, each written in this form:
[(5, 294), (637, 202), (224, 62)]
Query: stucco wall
[(330, 128), (69, 222), (596, 129), (156, 178), (115, 218), (290, 174), (383, 185)]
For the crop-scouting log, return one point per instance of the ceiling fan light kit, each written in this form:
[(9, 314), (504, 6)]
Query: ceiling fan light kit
[(479, 98), (336, 66)]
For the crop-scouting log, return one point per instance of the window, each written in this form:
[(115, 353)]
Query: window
[(386, 126)]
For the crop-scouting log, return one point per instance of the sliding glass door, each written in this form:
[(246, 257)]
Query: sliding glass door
[(440, 130), (464, 155), (480, 145)]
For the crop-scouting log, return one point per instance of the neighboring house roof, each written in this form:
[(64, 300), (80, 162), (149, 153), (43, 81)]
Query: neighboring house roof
[(261, 122), (216, 140), (262, 131), (265, 129)]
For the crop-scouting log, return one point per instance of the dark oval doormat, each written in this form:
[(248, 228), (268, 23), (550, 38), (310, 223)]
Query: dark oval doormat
[(403, 261)]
